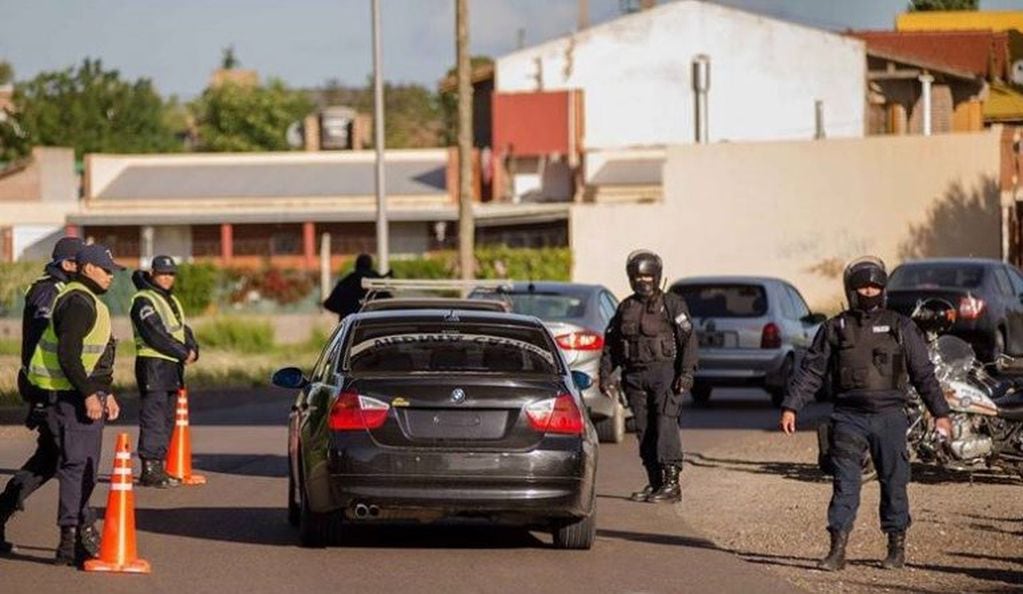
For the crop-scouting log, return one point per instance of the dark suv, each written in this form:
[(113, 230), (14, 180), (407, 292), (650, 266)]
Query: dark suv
[(987, 293)]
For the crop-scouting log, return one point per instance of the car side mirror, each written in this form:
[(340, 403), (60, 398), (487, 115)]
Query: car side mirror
[(289, 377), (814, 318), (582, 380)]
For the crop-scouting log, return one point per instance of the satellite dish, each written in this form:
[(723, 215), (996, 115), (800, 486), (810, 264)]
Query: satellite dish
[(295, 135)]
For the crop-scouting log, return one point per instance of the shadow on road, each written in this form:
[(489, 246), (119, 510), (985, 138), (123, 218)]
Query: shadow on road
[(264, 465), (439, 536), (799, 471), (252, 525), (1010, 577), (672, 540)]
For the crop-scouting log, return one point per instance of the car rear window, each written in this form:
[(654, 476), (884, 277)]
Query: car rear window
[(934, 276), (450, 347), (546, 306), (731, 300)]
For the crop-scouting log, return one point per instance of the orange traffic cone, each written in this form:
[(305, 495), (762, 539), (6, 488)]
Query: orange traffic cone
[(117, 550), (179, 455)]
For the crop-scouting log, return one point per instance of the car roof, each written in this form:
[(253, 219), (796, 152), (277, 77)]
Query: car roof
[(420, 303), (433, 315), (729, 279), (963, 261)]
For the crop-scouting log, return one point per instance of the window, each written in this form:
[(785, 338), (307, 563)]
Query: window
[(788, 307), (935, 276), (547, 306), (1017, 280), (1002, 282), (450, 347), (327, 356), (608, 306), (798, 303), (724, 300)]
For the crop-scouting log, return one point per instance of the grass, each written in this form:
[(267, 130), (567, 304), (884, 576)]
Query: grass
[(10, 346), (242, 335)]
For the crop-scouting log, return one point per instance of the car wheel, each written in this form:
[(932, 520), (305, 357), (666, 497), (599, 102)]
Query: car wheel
[(576, 535), (315, 530), (293, 507), (612, 429), (701, 393)]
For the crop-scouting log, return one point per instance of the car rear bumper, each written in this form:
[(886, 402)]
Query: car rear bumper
[(740, 366), (424, 484)]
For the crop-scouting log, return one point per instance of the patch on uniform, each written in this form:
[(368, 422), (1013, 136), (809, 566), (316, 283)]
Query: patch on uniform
[(146, 311), (882, 329), (681, 318)]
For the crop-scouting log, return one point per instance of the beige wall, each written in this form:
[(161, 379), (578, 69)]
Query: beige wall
[(800, 210)]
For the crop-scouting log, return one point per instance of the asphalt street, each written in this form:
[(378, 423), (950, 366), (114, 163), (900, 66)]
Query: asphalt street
[(231, 535)]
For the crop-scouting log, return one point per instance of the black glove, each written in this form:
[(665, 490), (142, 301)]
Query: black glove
[(682, 383)]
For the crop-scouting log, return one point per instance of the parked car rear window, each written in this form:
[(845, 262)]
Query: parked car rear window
[(934, 276), (450, 348), (546, 306), (724, 300)]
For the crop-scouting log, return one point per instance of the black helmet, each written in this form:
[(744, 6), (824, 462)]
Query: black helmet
[(644, 263), (864, 272)]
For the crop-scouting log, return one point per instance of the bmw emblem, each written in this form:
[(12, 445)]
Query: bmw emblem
[(458, 396)]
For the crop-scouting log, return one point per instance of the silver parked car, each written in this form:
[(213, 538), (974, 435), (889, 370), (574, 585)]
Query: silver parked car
[(577, 316), (752, 331)]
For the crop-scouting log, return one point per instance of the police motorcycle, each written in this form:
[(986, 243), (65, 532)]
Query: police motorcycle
[(987, 412)]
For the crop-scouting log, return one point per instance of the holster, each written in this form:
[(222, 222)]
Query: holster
[(824, 431)]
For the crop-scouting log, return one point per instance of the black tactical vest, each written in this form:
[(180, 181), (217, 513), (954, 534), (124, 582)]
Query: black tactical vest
[(870, 355), (647, 334)]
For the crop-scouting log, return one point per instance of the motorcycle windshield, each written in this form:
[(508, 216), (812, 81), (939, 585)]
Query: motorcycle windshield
[(956, 355)]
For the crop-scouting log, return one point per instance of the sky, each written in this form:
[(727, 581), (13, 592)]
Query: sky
[(177, 43)]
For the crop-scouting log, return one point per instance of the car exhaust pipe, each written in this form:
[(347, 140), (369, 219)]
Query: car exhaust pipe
[(361, 510), (374, 511)]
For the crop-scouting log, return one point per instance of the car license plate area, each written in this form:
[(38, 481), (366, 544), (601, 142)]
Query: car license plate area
[(455, 424), (711, 340)]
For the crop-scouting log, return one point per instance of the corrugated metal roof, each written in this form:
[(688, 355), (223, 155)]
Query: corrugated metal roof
[(274, 180), (981, 53), (1003, 104)]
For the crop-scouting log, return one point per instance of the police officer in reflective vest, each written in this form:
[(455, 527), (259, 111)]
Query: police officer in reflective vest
[(42, 466), (163, 346), (871, 352), (74, 363), (651, 339)]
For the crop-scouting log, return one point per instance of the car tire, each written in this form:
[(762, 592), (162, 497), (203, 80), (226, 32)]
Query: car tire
[(576, 535), (612, 429), (315, 530), (294, 513), (701, 394)]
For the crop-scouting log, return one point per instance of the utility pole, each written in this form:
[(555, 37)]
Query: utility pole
[(466, 224), (584, 15), (383, 255)]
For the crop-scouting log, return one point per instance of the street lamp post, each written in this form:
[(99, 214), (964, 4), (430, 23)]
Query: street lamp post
[(378, 125)]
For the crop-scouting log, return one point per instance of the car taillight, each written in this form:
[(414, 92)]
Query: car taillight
[(352, 412), (556, 415), (770, 338), (581, 341), (970, 307)]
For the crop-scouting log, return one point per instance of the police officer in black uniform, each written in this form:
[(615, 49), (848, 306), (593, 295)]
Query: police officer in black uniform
[(74, 363), (164, 344), (871, 352), (348, 294), (651, 338), (35, 318)]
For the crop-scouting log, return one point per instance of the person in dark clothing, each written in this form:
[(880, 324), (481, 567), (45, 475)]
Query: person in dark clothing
[(164, 345), (42, 465), (871, 352), (74, 364), (348, 294), (651, 338)]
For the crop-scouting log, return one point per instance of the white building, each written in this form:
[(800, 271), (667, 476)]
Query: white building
[(635, 74)]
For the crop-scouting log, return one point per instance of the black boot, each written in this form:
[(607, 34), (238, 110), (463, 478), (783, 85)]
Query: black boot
[(7, 509), (172, 481), (89, 541), (896, 558), (835, 560), (152, 476), (655, 478), (68, 547), (670, 491)]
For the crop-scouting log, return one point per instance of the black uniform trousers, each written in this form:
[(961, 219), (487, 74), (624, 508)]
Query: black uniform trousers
[(156, 421), (883, 434), (35, 472), (80, 442), (655, 408)]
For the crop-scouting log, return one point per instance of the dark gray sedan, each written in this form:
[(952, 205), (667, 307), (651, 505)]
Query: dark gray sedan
[(577, 315)]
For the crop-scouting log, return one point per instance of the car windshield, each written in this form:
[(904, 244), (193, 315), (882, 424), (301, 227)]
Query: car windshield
[(546, 306), (450, 347), (723, 300), (934, 276)]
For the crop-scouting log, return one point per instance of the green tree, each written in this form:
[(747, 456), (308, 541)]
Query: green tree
[(6, 72), (448, 96), (412, 116), (927, 5), (229, 60), (87, 108), (234, 117)]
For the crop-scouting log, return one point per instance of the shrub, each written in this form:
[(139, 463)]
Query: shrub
[(282, 286), (196, 285), (243, 335), (492, 262), (15, 278)]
